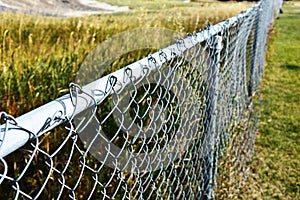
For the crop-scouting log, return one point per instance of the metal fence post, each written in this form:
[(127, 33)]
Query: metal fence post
[(210, 131), (254, 63)]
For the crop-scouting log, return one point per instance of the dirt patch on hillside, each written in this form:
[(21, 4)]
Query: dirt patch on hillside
[(59, 8)]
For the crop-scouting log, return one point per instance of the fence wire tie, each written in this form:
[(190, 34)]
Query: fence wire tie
[(153, 63), (208, 26), (162, 56), (180, 44), (46, 125), (195, 35), (78, 90), (173, 54), (110, 84), (189, 35), (192, 38), (145, 70), (127, 74), (201, 33), (8, 118), (56, 118), (74, 90), (152, 59)]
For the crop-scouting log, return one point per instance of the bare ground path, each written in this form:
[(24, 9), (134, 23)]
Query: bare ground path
[(59, 8)]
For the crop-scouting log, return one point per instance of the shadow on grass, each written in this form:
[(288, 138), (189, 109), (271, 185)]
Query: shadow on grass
[(291, 67)]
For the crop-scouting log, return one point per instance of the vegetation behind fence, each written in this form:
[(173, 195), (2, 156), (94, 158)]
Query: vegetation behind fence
[(180, 123)]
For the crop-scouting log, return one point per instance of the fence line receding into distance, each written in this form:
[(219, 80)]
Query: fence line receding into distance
[(179, 124)]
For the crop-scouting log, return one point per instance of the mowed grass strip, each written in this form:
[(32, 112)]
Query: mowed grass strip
[(276, 166)]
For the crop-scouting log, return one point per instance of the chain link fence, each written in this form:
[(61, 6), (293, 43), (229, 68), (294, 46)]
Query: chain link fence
[(179, 124)]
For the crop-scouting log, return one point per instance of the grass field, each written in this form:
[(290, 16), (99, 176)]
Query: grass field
[(276, 165)]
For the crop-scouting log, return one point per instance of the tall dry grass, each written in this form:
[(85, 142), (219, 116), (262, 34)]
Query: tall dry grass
[(39, 56)]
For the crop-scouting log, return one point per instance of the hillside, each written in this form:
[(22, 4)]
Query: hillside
[(59, 8)]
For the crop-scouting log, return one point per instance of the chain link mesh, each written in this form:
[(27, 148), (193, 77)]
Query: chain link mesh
[(184, 128)]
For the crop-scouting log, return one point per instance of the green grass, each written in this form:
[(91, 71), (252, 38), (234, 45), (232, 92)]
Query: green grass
[(276, 165)]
